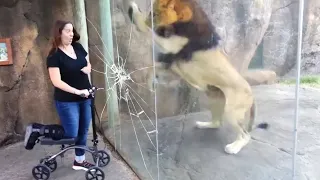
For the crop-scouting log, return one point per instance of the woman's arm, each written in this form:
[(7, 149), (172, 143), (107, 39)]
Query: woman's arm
[(54, 73), (87, 69)]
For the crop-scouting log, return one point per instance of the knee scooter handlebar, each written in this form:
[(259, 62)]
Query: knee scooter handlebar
[(92, 91)]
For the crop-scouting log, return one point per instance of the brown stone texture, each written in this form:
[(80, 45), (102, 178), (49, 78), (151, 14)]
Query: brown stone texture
[(25, 90)]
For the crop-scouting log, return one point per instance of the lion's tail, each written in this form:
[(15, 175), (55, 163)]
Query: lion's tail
[(253, 114)]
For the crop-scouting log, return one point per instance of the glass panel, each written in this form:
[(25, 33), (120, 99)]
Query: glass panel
[(308, 134), (169, 125), (228, 111)]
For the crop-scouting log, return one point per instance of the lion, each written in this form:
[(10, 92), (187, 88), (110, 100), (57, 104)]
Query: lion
[(189, 46)]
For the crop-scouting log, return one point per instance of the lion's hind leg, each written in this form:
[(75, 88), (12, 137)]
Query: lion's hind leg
[(237, 106), (243, 128), (216, 101), (243, 138)]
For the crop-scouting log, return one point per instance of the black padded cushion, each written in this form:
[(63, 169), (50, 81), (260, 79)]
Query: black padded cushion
[(50, 141)]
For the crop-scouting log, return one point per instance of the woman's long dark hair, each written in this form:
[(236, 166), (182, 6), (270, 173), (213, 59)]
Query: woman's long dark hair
[(56, 36)]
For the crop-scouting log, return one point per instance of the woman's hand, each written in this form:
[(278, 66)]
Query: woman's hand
[(83, 92), (87, 69)]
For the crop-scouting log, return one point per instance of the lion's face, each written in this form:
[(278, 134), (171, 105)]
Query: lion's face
[(166, 12)]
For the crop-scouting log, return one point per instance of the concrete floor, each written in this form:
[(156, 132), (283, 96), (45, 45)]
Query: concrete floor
[(186, 152), (16, 163), (189, 153)]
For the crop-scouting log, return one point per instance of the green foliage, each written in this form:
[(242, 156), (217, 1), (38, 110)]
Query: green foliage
[(305, 80)]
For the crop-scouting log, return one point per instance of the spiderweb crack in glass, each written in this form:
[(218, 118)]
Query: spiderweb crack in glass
[(121, 81)]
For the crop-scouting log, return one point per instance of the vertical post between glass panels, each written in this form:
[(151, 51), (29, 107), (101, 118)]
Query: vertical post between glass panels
[(106, 34), (296, 120)]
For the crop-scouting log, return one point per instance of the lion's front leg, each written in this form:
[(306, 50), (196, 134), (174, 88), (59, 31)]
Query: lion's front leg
[(137, 17), (161, 75)]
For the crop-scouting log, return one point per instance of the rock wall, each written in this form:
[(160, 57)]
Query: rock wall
[(25, 90), (280, 40), (311, 41), (242, 25)]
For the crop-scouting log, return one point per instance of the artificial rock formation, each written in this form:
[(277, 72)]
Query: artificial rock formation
[(25, 90)]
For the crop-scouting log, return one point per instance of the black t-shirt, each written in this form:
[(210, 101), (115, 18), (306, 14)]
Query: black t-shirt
[(70, 71)]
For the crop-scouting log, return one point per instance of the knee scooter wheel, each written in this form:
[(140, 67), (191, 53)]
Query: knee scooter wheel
[(104, 158), (41, 172), (52, 164), (94, 173)]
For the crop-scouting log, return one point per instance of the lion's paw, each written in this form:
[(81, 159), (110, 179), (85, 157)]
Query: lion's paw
[(134, 5), (232, 148), (206, 125), (236, 146), (133, 8)]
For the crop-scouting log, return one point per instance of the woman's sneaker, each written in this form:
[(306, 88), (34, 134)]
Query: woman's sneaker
[(82, 166)]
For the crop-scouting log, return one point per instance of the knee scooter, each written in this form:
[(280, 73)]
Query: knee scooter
[(53, 135)]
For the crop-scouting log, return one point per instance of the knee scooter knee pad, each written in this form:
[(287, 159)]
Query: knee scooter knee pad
[(54, 131)]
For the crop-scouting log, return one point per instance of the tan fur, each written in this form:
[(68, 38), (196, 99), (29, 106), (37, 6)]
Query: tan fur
[(202, 73), (230, 96)]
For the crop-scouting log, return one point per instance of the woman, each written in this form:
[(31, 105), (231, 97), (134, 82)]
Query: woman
[(69, 71)]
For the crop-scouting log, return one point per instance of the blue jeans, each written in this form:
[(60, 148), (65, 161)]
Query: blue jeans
[(75, 118)]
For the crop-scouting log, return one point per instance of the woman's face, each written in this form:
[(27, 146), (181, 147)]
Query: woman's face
[(67, 34)]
